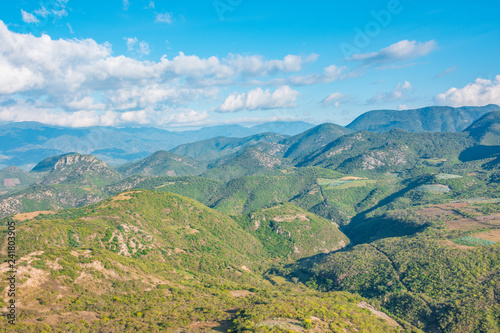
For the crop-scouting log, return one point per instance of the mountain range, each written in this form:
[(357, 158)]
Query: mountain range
[(25, 144), (329, 229), (428, 119)]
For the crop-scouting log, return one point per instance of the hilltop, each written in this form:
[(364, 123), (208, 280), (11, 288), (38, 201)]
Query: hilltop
[(163, 163), (486, 130), (428, 119), (211, 149)]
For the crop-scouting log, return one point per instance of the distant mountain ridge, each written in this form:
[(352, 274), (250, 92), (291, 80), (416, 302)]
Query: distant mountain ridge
[(428, 119), (26, 143)]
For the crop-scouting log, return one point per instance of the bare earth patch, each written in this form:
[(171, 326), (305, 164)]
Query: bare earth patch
[(124, 196), (83, 253), (240, 293), (204, 324), (288, 218), (352, 178), (378, 314), (29, 216), (463, 224), (449, 243), (491, 235), (69, 317), (286, 324)]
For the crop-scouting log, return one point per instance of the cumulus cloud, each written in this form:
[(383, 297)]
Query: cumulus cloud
[(258, 99), (399, 52), (397, 94), (163, 18), (64, 78), (22, 111), (28, 17), (334, 99), (64, 66), (481, 92)]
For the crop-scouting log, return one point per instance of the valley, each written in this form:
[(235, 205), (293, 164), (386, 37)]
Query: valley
[(364, 228)]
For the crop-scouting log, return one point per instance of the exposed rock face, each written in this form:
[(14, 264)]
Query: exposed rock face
[(86, 168), (68, 160)]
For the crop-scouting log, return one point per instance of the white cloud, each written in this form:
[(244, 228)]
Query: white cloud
[(401, 51), (84, 103), (153, 94), (163, 18), (330, 74), (400, 92), (258, 99), (28, 17), (256, 65), (67, 77), (143, 48), (70, 28), (481, 92), (165, 117), (151, 5), (130, 43), (58, 9), (334, 98)]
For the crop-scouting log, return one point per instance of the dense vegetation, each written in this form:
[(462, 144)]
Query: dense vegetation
[(325, 231)]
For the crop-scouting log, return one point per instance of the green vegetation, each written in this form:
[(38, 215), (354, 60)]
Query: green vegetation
[(326, 231), (155, 262), (164, 163)]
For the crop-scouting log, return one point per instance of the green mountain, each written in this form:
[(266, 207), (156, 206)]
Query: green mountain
[(73, 168), (486, 130), (218, 147), (64, 181), (429, 119), (396, 150), (287, 230), (199, 188), (251, 161), (163, 163), (155, 262), (313, 139)]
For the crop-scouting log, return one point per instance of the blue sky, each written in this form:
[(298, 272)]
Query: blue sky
[(180, 64)]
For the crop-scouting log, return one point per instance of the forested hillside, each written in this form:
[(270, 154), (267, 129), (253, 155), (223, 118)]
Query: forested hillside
[(329, 230)]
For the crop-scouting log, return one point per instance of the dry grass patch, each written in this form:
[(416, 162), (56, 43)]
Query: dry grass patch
[(490, 235), (124, 196), (29, 216), (449, 243), (240, 293)]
